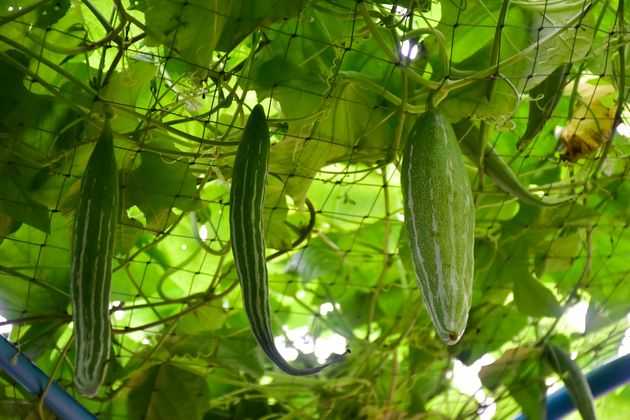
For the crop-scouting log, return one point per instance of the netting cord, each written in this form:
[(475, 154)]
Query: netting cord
[(601, 380), (24, 372)]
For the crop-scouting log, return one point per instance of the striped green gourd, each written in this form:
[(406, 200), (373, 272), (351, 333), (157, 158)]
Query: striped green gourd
[(92, 250), (248, 241), (440, 220)]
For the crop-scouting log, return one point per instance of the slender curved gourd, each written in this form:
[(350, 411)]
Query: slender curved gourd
[(248, 243), (92, 250), (499, 171), (440, 220), (573, 379)]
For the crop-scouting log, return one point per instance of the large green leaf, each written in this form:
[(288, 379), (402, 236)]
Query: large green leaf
[(534, 299), (489, 327), (194, 29), (521, 371), (167, 391), (15, 203), (158, 185)]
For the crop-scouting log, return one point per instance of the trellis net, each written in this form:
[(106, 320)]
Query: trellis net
[(342, 83)]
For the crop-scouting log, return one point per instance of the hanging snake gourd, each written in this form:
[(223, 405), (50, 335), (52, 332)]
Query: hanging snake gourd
[(573, 378), (93, 246), (248, 243), (440, 221)]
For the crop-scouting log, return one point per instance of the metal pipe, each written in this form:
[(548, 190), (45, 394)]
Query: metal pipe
[(29, 376)]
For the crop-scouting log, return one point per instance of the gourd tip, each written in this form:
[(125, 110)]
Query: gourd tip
[(452, 338)]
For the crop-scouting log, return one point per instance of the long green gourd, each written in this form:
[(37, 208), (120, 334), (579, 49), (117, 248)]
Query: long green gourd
[(499, 171), (573, 379), (248, 242), (440, 220), (92, 250)]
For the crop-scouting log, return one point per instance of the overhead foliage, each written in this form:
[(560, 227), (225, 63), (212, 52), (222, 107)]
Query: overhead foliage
[(543, 84)]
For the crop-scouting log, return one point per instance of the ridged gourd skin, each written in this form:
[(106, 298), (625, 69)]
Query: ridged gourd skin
[(92, 250), (247, 237), (440, 221)]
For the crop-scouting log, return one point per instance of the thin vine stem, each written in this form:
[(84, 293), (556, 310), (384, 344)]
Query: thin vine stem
[(621, 87), (42, 397), (150, 245), (16, 274), (87, 47)]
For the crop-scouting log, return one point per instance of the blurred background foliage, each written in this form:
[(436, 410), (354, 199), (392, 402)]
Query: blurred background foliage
[(342, 83)]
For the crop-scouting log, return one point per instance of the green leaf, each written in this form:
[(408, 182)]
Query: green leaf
[(252, 405), (504, 369), (510, 262), (303, 91), (50, 13), (28, 121), (391, 301), (615, 405), (428, 365), (570, 45), (158, 185), (471, 36), (470, 102), (489, 327), (521, 371), (130, 88), (474, 29), (562, 252), (42, 337), (195, 28), (343, 134), (167, 391), (534, 299), (245, 15), (531, 397), (315, 261), (129, 234), (11, 407), (7, 226), (566, 216), (239, 352), (545, 97), (278, 235), (598, 316), (40, 280), (15, 203), (207, 318), (200, 345)]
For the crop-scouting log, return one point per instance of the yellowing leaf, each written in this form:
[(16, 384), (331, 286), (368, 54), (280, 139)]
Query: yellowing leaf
[(592, 121)]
